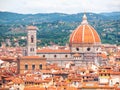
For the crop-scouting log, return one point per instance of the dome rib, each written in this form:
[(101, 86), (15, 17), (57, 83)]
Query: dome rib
[(83, 33)]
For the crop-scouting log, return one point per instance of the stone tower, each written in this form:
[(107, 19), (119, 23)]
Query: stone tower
[(31, 40)]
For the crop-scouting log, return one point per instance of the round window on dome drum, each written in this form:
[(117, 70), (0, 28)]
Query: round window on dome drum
[(55, 56), (77, 49), (43, 55), (88, 49), (66, 56)]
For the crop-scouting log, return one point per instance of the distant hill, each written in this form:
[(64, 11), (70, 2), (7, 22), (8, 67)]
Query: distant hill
[(112, 15), (11, 18), (58, 26), (8, 17)]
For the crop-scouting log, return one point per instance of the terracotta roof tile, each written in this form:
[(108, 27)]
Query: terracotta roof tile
[(17, 81), (76, 55), (31, 57), (103, 55), (34, 88), (48, 50), (46, 71), (8, 58), (115, 73), (9, 78), (71, 88)]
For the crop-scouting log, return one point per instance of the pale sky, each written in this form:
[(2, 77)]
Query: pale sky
[(60, 6)]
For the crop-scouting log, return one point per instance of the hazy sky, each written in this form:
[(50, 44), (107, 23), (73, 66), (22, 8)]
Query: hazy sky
[(63, 6)]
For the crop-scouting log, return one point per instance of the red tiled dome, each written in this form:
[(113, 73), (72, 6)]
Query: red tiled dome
[(84, 34)]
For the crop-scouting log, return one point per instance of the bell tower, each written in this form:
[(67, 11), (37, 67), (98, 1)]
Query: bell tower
[(31, 40)]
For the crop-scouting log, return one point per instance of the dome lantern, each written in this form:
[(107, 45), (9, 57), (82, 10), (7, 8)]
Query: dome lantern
[(84, 19)]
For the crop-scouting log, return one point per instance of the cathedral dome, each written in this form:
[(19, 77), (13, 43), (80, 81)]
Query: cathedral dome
[(84, 34)]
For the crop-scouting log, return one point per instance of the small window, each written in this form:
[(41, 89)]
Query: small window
[(88, 49), (43, 55), (33, 67), (33, 49), (77, 49), (55, 56), (32, 39), (26, 67), (40, 66), (66, 56), (30, 49), (97, 49)]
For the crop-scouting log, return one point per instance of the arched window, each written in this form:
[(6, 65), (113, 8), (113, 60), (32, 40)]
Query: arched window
[(26, 67), (40, 66), (33, 67), (31, 49), (32, 39)]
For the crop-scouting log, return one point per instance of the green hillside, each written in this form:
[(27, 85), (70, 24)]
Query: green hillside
[(56, 27)]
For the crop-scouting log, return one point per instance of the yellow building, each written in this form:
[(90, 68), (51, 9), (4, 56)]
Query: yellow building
[(31, 64)]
